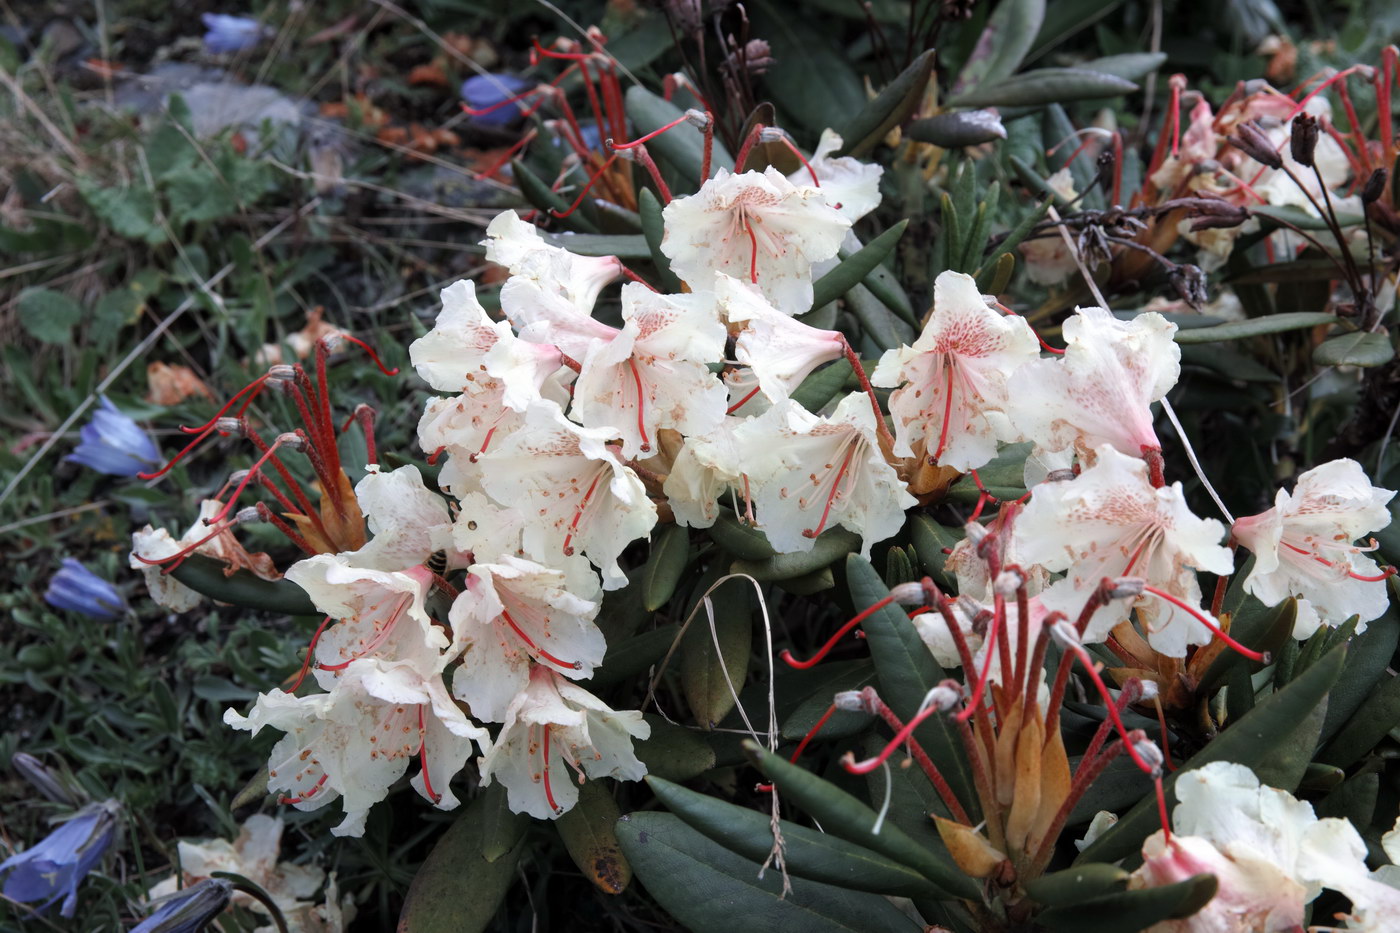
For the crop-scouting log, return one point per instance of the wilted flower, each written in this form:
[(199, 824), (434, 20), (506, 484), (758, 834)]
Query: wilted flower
[(231, 33), (482, 92), (112, 443), (190, 910), (53, 867), (78, 589)]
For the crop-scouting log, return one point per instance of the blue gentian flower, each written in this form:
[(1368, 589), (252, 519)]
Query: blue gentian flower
[(77, 588), (230, 33), (486, 90), (190, 910), (112, 443), (53, 867)]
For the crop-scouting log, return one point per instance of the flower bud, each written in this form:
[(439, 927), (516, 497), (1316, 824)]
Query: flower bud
[(189, 910), (1302, 141), (1374, 187), (1253, 142), (44, 780)]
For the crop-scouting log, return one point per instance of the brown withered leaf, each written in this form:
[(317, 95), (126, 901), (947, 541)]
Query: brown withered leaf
[(430, 74), (302, 342), (972, 853), (1055, 781), (170, 385), (1025, 803)]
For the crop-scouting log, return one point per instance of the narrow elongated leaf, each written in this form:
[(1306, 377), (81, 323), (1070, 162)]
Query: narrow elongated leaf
[(1359, 348), (654, 229), (881, 325), (1377, 716), (1045, 86), (1367, 659), (929, 539), (707, 689), (501, 828), (1297, 217), (1076, 884), (820, 387), (806, 852), (853, 270), (631, 656), (812, 81), (709, 889), (621, 245), (1254, 327), (206, 577), (539, 195), (670, 551), (587, 831), (906, 671), (682, 147), (958, 129), (890, 108), (847, 817), (835, 676), (1005, 40), (1132, 911), (438, 901), (1255, 626), (743, 541), (674, 752), (1267, 740), (830, 546), (1131, 66)]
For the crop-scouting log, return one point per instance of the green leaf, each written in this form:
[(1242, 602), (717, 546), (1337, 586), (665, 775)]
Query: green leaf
[(1132, 911), (821, 387), (812, 81), (683, 147), (196, 195), (1255, 626), (587, 831), (1359, 348), (48, 315), (1132, 66), (1076, 884), (1254, 327), (853, 269), (206, 576), (708, 691), (1275, 739), (1045, 86), (1367, 659), (806, 852), (743, 541), (830, 546), (929, 539), (891, 107), (540, 196), (674, 752), (130, 212), (845, 816), (437, 900), (654, 229), (1364, 731), (884, 328), (1004, 42), (500, 828), (632, 656), (1065, 18), (958, 129), (670, 552), (621, 245), (834, 676), (709, 889), (1014, 237), (906, 672)]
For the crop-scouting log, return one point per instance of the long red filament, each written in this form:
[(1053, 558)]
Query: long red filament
[(652, 135), (1208, 623), (529, 643), (841, 633), (586, 188), (947, 414), (243, 484), (742, 402), (255, 384), (753, 241), (516, 98), (578, 514), (178, 457), (306, 796), (372, 355), (900, 737), (641, 401), (423, 758), (990, 647), (835, 492), (548, 793), (803, 159), (1112, 708), (310, 651), (1386, 572)]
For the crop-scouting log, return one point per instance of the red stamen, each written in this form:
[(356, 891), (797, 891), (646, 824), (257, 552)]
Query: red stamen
[(306, 796), (562, 56), (243, 484), (1162, 807), (516, 98), (652, 135), (548, 793), (753, 241), (179, 456), (831, 496), (275, 520), (372, 355), (435, 455), (1386, 572), (485, 442), (255, 384), (1112, 708), (310, 650), (831, 642), (634, 277), (900, 737), (571, 665), (175, 560), (1208, 623), (641, 399), (742, 402), (947, 415), (803, 159), (975, 702), (509, 154), (586, 188), (423, 759), (1339, 76), (1389, 57), (578, 514)]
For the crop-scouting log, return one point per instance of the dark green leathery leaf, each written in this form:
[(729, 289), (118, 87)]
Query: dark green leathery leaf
[(711, 678), (205, 576), (1132, 911), (670, 553), (709, 889), (436, 901), (853, 269), (891, 107), (807, 853), (587, 831)]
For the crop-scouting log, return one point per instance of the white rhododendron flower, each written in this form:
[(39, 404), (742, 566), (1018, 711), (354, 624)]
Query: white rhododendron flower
[(574, 491), (807, 473), (1305, 547), (357, 740), (516, 612), (779, 350), (407, 520), (553, 726), (850, 186), (1269, 852), (933, 631), (1111, 522), (953, 380), (653, 373), (754, 226), (154, 544), (1102, 389), (706, 466)]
